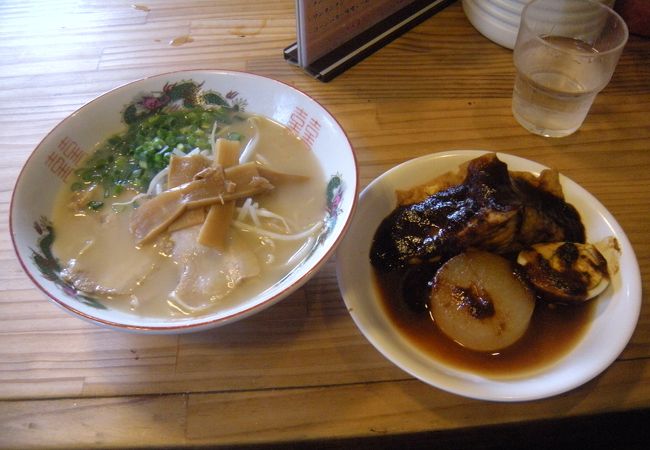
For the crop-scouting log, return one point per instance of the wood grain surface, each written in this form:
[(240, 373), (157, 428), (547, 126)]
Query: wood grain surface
[(299, 372)]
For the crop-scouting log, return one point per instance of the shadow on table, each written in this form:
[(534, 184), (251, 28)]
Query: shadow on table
[(629, 431)]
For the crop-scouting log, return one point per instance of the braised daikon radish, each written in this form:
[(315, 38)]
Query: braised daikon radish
[(565, 272), (477, 301), (217, 222)]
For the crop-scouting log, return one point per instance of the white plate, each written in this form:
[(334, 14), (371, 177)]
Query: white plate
[(614, 321)]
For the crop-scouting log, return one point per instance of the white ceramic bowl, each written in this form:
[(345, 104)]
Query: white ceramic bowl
[(617, 309), (498, 20), (58, 154)]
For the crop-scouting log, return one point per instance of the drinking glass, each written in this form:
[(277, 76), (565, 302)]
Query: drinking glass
[(566, 52)]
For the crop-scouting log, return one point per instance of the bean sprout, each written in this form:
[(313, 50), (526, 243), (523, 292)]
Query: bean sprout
[(157, 182), (213, 140), (130, 202), (243, 211), (262, 212), (253, 209)]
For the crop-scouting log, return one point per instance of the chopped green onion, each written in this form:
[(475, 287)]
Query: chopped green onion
[(234, 136), (95, 205), (131, 159), (77, 186)]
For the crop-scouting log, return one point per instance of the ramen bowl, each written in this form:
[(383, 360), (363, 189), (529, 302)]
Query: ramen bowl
[(64, 150)]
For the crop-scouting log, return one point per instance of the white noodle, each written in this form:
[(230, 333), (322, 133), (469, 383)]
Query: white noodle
[(302, 251), (281, 237), (183, 307)]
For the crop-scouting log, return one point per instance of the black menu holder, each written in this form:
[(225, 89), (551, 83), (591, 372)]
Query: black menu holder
[(334, 35)]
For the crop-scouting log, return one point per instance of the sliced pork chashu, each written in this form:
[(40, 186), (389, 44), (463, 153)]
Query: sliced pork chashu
[(87, 272), (207, 274)]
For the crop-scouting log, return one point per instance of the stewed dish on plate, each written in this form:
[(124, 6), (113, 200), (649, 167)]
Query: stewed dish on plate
[(565, 343), (468, 253)]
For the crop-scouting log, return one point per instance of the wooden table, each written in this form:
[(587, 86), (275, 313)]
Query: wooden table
[(299, 372)]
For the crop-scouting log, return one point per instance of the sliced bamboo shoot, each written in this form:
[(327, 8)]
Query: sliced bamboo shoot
[(214, 230), (209, 187), (277, 177), (226, 152), (182, 170), (155, 215)]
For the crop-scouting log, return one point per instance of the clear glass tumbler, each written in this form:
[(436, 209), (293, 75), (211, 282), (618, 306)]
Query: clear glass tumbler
[(566, 52)]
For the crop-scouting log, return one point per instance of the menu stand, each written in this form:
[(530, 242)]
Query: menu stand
[(334, 35)]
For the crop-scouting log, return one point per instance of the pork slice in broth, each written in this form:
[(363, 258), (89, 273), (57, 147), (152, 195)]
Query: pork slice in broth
[(208, 275), (87, 270)]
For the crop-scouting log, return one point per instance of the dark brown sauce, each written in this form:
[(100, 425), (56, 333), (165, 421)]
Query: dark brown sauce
[(553, 332)]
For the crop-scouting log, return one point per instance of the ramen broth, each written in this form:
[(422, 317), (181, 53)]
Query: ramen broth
[(143, 279)]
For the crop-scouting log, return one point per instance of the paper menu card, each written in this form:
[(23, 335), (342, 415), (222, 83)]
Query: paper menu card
[(333, 35), (324, 25)]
